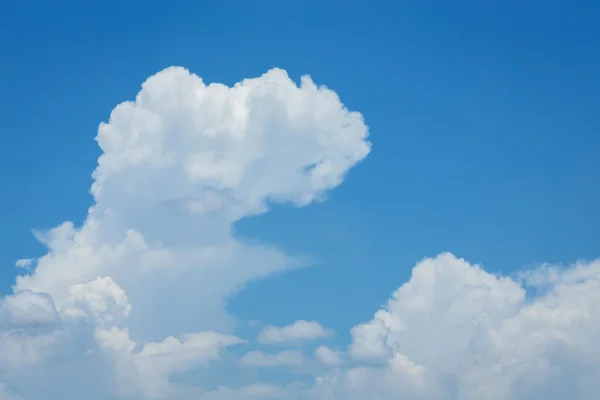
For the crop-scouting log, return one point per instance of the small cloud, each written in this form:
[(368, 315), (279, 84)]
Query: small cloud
[(24, 262), (299, 331)]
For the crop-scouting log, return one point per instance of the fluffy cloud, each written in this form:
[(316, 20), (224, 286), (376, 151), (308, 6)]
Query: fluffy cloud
[(26, 309), (24, 262), (133, 300), (156, 256), (455, 331), (296, 332), (102, 299), (180, 165), (145, 373)]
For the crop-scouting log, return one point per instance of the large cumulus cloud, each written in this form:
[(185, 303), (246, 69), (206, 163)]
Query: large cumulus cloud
[(156, 258), (180, 165), (132, 302)]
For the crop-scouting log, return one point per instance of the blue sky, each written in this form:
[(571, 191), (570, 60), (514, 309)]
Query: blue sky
[(483, 118)]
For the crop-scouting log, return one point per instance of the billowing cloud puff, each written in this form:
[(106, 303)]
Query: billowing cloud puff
[(102, 299)]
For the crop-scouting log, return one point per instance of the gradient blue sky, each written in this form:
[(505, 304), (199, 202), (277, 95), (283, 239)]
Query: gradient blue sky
[(484, 121)]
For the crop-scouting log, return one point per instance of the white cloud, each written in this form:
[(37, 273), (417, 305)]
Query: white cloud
[(101, 299), (298, 331), (156, 256), (115, 299), (146, 372), (24, 262), (327, 356), (455, 331), (28, 309), (283, 358)]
